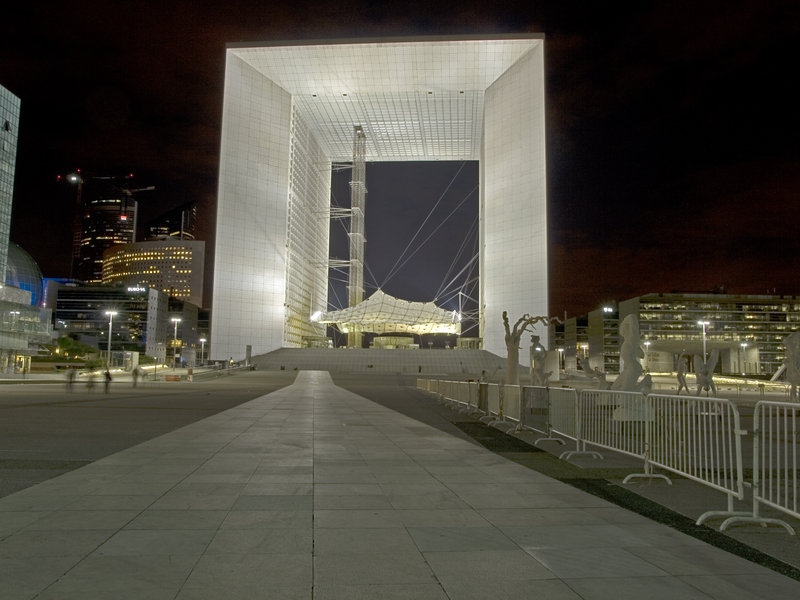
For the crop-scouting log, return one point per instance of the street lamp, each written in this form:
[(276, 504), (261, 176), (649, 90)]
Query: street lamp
[(704, 324), (110, 314), (743, 347), (202, 350), (175, 321)]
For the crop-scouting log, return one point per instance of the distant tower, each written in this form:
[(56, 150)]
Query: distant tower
[(358, 197), (9, 127), (180, 223), (107, 217)]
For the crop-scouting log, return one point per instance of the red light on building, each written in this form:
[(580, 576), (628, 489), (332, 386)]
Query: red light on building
[(123, 217)]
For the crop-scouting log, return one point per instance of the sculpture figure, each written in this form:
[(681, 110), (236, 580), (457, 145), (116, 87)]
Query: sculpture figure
[(513, 336), (630, 353), (792, 361), (704, 371), (538, 356), (683, 367)]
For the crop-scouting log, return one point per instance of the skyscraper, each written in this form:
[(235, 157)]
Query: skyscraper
[(106, 217), (9, 127), (180, 222)]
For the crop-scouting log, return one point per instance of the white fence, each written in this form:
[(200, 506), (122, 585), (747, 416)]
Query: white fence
[(699, 438), (775, 463), (618, 421)]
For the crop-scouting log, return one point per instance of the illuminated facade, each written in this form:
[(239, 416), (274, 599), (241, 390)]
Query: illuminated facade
[(171, 265), (289, 111), (748, 330), (9, 132)]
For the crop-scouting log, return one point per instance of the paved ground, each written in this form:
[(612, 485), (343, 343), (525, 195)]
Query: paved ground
[(313, 490)]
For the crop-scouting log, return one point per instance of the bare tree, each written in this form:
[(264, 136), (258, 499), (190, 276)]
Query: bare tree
[(513, 337)]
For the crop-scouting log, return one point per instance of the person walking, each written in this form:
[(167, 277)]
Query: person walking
[(135, 375), (70, 378), (107, 380)]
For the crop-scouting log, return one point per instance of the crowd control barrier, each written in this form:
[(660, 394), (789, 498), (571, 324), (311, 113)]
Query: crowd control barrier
[(534, 413), (565, 420), (775, 463), (700, 439), (618, 421)]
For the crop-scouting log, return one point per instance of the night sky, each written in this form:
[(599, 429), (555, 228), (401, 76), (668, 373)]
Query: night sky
[(673, 152)]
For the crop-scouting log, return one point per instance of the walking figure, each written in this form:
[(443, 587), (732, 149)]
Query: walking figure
[(683, 366), (107, 380), (135, 375), (70, 378)]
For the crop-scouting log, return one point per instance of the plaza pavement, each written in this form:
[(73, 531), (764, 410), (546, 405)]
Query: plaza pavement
[(313, 491)]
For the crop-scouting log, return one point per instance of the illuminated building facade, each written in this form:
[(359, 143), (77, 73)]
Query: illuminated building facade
[(107, 217), (142, 322), (180, 223), (748, 330), (22, 324), (171, 265), (290, 110), (9, 132)]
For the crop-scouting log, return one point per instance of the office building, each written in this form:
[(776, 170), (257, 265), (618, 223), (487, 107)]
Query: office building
[(747, 330), (180, 223), (290, 110), (9, 133), (142, 321), (169, 264), (106, 216), (23, 324)]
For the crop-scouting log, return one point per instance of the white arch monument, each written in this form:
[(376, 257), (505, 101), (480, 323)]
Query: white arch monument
[(289, 110)]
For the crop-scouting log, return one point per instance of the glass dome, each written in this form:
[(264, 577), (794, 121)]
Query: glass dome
[(24, 273)]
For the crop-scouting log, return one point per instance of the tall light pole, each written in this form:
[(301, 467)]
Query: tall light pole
[(743, 352), (110, 314), (704, 324), (175, 321), (202, 350)]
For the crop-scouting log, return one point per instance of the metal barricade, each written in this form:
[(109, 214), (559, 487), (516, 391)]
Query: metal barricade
[(775, 463), (700, 439), (492, 399), (511, 402), (617, 421), (534, 413), (565, 420), (483, 398)]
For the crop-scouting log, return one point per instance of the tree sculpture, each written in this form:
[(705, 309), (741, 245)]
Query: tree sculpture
[(513, 337), (630, 354)]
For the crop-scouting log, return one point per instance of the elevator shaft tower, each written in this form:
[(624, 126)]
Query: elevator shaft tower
[(358, 198)]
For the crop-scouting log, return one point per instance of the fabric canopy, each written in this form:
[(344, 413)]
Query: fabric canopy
[(382, 313)]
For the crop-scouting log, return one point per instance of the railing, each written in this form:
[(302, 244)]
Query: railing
[(534, 413), (618, 421), (565, 420), (775, 463), (700, 439), (511, 402)]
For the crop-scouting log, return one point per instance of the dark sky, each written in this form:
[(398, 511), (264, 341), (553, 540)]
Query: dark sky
[(673, 153)]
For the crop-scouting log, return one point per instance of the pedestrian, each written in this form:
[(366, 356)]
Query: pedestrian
[(70, 378), (107, 380), (135, 375), (90, 381)]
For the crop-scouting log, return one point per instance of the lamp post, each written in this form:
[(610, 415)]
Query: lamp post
[(202, 350), (110, 314), (175, 321), (743, 356), (704, 324)]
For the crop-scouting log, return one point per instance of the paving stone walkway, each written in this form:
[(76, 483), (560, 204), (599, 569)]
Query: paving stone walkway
[(313, 491)]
